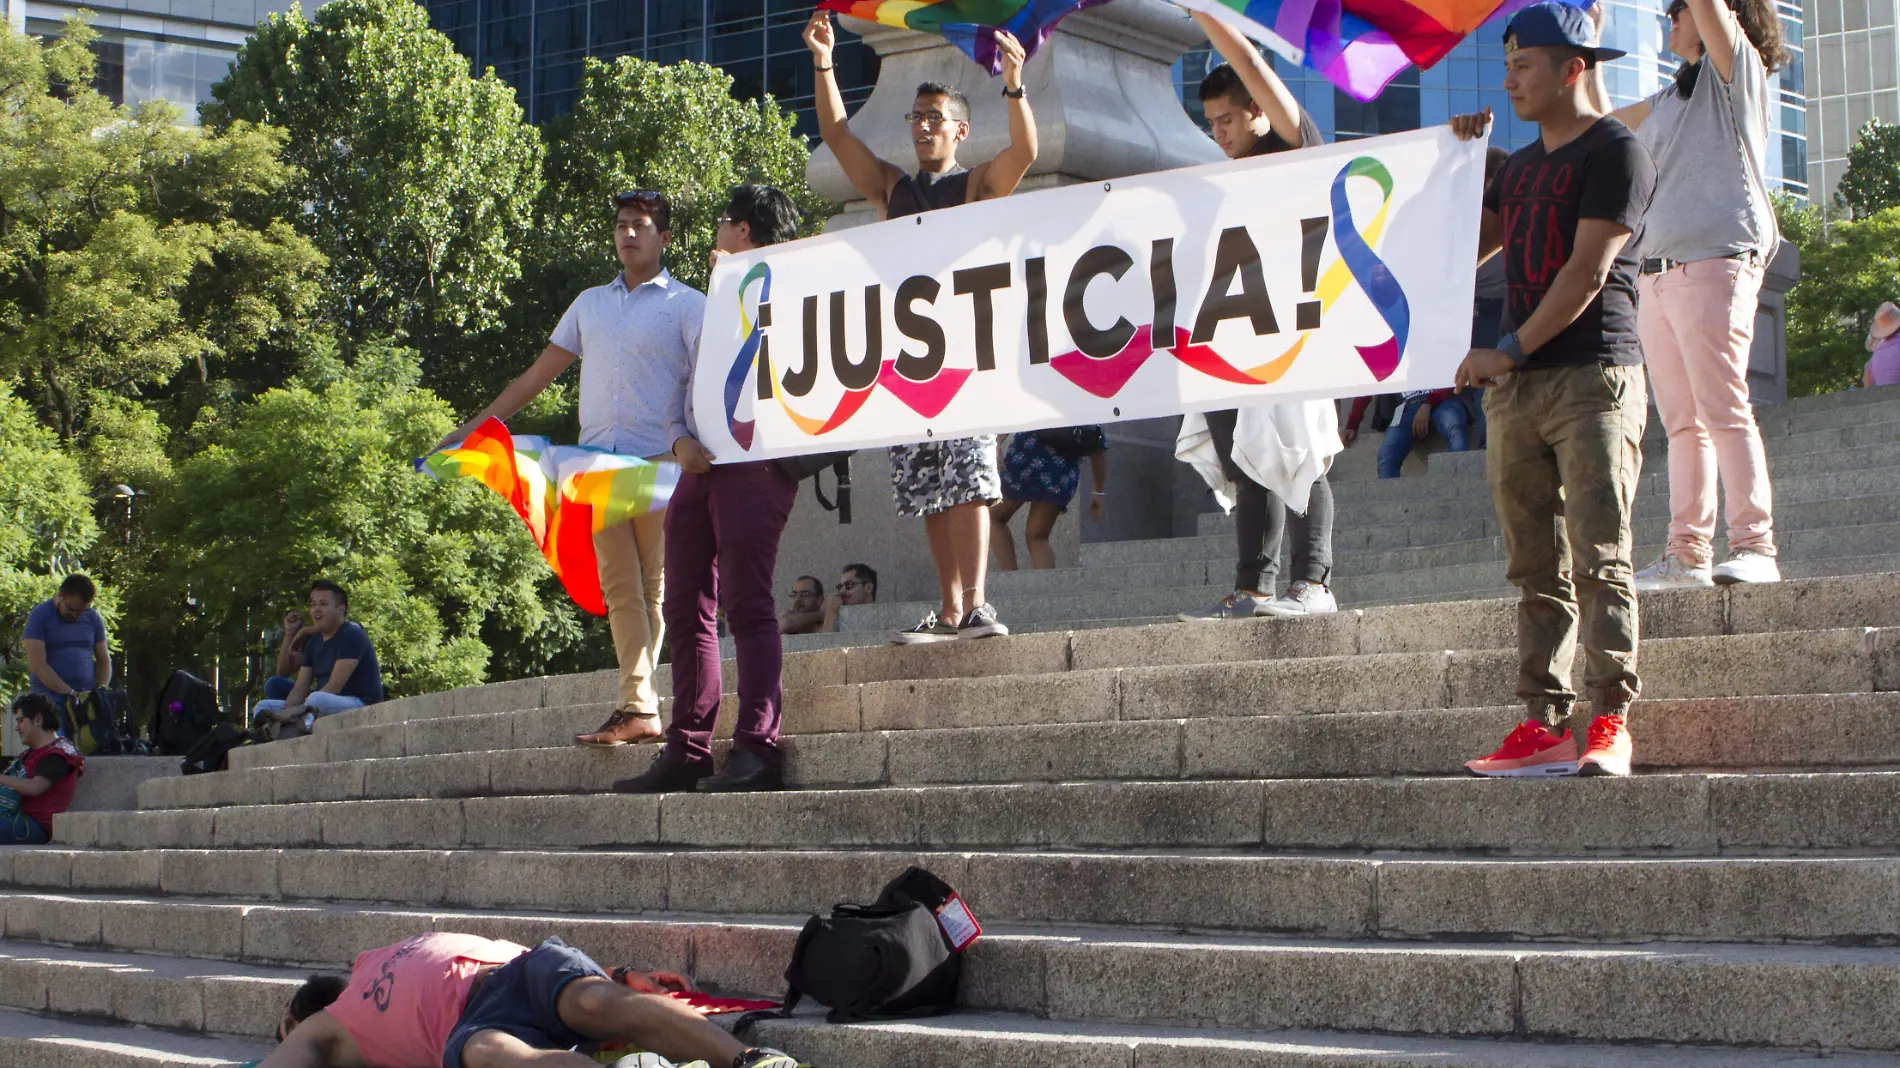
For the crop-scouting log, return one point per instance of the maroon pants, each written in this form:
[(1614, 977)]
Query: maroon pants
[(722, 532)]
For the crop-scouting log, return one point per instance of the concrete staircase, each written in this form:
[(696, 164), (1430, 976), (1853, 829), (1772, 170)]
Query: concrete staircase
[(1190, 845), (1433, 536)]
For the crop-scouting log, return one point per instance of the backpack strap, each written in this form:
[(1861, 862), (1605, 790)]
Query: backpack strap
[(842, 470)]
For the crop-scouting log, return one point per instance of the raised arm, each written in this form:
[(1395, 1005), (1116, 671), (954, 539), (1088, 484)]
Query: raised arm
[(1631, 116), (871, 176), (1721, 34), (1000, 176), (1275, 100)]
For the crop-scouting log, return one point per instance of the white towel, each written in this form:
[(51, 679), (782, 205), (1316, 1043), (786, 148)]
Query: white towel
[(1284, 447)]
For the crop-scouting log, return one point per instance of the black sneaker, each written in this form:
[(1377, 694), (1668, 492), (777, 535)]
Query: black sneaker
[(931, 629), (982, 623), (668, 774)]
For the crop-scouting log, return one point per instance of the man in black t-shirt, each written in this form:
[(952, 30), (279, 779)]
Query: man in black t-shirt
[(1251, 113), (1565, 393)]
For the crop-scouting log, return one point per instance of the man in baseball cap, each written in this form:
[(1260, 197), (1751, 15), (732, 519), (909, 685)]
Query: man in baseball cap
[(1565, 395)]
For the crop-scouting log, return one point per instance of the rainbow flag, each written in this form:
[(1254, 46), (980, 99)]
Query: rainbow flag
[(565, 493), (970, 25)]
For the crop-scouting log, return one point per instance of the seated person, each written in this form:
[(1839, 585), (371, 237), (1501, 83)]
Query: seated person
[(289, 658), (445, 1000), (857, 584), (1421, 412), (339, 669), (806, 614), (44, 776)]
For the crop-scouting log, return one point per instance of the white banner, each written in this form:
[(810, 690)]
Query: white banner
[(1333, 271)]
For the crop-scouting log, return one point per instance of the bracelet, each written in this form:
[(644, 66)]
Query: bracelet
[(1101, 493), (1014, 94), (820, 69)]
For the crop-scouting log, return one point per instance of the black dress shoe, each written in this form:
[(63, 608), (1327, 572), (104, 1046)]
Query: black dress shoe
[(745, 771), (669, 774)]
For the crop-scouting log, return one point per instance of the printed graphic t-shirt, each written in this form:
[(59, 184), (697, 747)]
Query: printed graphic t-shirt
[(1540, 197), (404, 1000)]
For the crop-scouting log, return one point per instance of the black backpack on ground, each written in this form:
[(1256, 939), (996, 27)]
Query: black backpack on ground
[(97, 724), (1074, 442), (213, 751), (890, 959), (187, 710), (816, 464)]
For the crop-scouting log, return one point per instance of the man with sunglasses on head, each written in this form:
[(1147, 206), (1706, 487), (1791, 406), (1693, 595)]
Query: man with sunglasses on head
[(636, 338), (722, 532), (950, 483)]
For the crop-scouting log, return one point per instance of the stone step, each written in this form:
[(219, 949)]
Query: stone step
[(1825, 997), (1356, 547), (125, 987), (1823, 731), (29, 1040), (1666, 814), (1836, 900)]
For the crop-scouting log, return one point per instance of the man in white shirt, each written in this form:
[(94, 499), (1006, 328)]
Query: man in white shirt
[(635, 337)]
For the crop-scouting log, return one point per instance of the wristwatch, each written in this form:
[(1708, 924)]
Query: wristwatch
[(1014, 94), (1511, 347)]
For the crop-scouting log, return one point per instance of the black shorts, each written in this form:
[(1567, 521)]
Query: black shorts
[(519, 999)]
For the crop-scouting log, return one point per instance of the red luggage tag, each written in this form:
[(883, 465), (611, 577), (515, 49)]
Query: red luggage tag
[(961, 928)]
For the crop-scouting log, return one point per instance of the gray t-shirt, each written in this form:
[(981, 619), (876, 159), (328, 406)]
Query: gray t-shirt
[(1711, 153)]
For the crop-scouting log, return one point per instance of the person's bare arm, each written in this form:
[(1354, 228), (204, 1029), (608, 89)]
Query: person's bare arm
[(41, 670), (801, 622), (301, 690), (289, 660), (101, 665), (1000, 176), (318, 1042), (32, 787), (1577, 284), (1098, 478), (1275, 100), (871, 176), (1599, 93), (832, 605), (1721, 34), (515, 396)]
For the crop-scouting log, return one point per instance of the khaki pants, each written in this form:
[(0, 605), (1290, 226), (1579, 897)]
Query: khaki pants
[(632, 570), (1564, 455)]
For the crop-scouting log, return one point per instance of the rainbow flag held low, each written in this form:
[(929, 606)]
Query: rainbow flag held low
[(565, 493), (970, 25)]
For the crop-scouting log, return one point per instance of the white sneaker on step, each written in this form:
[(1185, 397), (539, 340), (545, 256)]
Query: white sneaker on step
[(1747, 565), (1302, 599), (1670, 573)]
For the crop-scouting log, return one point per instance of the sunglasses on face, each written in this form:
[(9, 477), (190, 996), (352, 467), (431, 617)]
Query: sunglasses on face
[(643, 198)]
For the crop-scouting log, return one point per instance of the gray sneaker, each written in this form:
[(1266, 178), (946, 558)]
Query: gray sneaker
[(1236, 605), (931, 629), (981, 622), (1670, 573), (1302, 599)]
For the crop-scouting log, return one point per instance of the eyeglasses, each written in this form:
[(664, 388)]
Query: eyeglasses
[(850, 584), (1676, 9), (929, 118)]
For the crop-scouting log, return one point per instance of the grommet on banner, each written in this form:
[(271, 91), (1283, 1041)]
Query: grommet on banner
[(920, 220), (1106, 187), (1118, 411)]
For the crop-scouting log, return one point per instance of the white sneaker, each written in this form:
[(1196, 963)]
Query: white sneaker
[(1236, 605), (1670, 573), (1747, 565), (1303, 599)]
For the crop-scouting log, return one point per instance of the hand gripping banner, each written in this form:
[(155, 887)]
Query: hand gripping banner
[(1333, 271)]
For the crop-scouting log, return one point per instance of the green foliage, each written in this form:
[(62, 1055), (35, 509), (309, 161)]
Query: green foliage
[(129, 246), (46, 524), (1844, 277), (416, 180), (315, 480), (1871, 183)]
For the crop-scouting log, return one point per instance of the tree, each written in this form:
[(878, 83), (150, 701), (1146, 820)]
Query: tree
[(1871, 183), (316, 480), (1844, 277), (46, 524), (416, 180), (130, 247)]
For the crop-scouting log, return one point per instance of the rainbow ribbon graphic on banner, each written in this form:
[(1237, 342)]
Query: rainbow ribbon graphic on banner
[(564, 493), (1357, 263)]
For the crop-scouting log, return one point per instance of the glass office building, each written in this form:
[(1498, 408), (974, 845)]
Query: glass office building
[(538, 46), (1472, 77), (1854, 48), (172, 50)]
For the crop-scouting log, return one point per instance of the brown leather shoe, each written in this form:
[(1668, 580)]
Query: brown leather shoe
[(625, 728)]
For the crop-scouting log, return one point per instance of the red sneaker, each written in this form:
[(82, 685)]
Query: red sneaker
[(1608, 750), (1529, 751)]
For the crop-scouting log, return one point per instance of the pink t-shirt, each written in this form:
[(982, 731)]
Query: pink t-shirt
[(403, 1000)]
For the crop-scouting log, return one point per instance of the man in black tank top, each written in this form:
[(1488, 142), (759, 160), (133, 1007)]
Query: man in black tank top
[(950, 483), (1251, 113)]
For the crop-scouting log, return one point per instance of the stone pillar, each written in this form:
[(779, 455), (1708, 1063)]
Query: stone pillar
[(1101, 87), (1768, 359)]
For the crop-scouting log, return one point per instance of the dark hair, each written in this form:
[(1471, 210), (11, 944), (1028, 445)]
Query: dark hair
[(317, 992), (1225, 81), (79, 586), (813, 579), (768, 212), (37, 706), (342, 595), (1561, 55), (651, 201), (863, 571), (1760, 25), (959, 104)]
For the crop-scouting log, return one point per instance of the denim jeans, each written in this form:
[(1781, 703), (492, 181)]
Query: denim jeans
[(323, 704), (22, 829), (276, 688), (1447, 418)]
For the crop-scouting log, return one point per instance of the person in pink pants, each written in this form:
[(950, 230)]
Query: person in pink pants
[(1710, 234)]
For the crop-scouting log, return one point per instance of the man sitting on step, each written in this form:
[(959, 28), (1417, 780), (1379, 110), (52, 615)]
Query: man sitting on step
[(443, 1000)]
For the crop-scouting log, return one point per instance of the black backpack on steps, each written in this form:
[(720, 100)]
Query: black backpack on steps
[(886, 960), (187, 710)]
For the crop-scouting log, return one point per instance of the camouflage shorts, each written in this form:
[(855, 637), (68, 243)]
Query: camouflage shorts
[(936, 476)]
